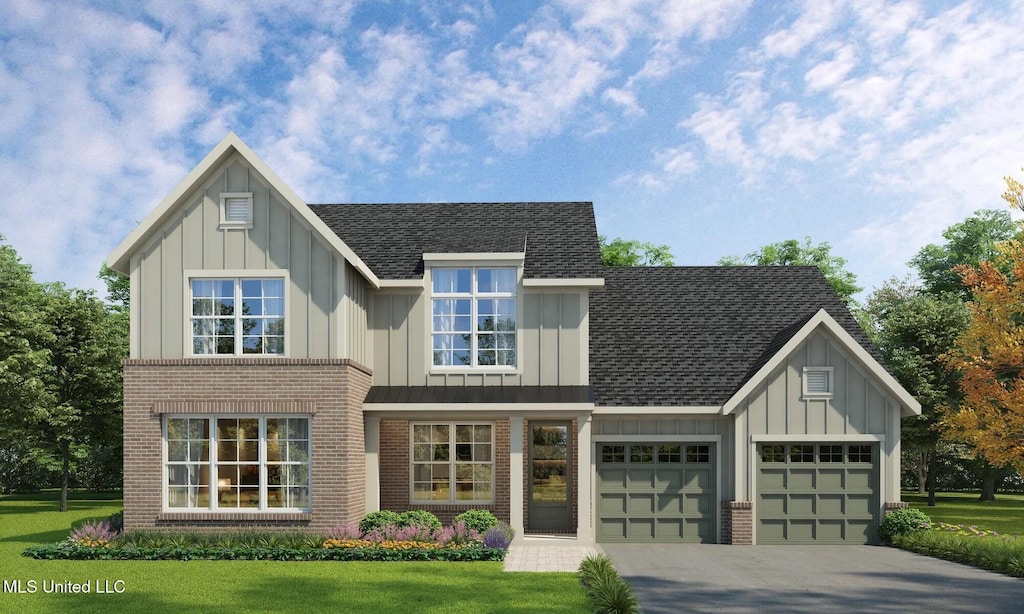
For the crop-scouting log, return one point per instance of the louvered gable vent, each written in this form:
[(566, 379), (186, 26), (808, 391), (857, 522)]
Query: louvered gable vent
[(817, 381), (236, 210)]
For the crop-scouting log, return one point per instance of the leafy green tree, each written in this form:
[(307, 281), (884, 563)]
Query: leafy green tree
[(968, 242), (118, 288), (83, 381), (793, 253), (23, 364), (630, 252), (913, 330)]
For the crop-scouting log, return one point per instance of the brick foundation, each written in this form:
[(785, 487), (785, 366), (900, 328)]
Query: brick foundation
[(891, 506), (738, 523), (395, 473), (331, 391)]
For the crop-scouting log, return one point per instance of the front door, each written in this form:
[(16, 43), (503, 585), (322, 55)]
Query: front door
[(549, 503)]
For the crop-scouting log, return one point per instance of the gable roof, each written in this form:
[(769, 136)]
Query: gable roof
[(559, 238), (230, 145), (693, 336)]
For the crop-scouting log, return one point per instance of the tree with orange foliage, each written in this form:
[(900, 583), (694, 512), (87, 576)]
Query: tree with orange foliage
[(989, 355)]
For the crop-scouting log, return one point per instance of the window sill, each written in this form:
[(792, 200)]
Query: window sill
[(444, 506), (218, 515)]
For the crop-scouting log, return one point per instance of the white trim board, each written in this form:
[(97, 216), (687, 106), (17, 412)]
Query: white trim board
[(909, 405), (230, 145)]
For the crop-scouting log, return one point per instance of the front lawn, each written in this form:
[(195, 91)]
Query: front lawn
[(253, 586), (1005, 515)]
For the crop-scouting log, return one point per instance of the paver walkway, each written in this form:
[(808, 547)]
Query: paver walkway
[(547, 555)]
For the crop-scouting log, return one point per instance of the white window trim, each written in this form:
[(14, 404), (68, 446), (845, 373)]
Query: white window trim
[(808, 394), (237, 274), (225, 223), (428, 283), (214, 509), (451, 464)]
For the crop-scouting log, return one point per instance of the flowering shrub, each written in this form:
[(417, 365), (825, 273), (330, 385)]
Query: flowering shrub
[(93, 535), (458, 533), (348, 530), (496, 538), (378, 520), (959, 529)]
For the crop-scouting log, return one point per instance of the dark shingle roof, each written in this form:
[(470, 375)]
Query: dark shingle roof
[(560, 238), (692, 336)]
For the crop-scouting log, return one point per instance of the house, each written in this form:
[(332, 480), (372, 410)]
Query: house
[(298, 366)]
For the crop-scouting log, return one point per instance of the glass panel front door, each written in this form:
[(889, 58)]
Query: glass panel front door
[(549, 477)]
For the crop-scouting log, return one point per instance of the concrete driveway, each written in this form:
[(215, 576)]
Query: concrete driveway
[(848, 579)]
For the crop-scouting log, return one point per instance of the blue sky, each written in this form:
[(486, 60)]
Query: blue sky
[(713, 126)]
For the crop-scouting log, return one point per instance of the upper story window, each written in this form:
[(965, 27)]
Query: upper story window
[(237, 316), (473, 321)]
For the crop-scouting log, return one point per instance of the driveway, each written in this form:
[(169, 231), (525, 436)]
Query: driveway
[(806, 579)]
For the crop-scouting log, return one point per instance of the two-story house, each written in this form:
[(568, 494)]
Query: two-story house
[(299, 365)]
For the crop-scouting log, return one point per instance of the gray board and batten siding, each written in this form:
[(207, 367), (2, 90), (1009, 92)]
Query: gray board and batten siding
[(326, 310), (552, 340)]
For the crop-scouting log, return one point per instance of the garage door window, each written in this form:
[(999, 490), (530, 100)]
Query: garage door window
[(830, 454), (801, 454), (613, 454), (859, 454), (670, 454)]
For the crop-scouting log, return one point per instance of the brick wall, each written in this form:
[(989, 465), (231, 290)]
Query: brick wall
[(395, 473), (738, 523), (331, 390)]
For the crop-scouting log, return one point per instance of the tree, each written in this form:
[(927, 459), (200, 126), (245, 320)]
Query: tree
[(118, 288), (82, 381), (913, 329), (630, 252), (23, 360), (989, 355), (794, 253), (971, 241)]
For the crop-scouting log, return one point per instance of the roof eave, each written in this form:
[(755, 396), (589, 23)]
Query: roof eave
[(909, 406), (120, 258)]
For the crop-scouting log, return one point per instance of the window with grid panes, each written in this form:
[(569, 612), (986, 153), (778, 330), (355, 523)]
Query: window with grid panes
[(237, 463), (237, 316), (452, 463), (473, 317)]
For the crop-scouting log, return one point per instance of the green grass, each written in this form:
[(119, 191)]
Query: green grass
[(1004, 515), (256, 586)]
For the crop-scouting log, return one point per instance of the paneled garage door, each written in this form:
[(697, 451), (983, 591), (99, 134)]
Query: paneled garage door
[(656, 492), (823, 493)]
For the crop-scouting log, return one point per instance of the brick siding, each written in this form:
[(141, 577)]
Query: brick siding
[(738, 523), (331, 390)]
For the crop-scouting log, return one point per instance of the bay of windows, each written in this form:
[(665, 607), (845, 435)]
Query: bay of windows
[(237, 316), (473, 317), (231, 463), (452, 463)]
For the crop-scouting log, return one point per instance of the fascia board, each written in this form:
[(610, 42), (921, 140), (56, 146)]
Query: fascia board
[(657, 410), (909, 404), (581, 282), (119, 258)]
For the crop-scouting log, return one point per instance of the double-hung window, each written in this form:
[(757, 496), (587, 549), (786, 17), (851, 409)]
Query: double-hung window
[(231, 463), (452, 463), (473, 317), (237, 316)]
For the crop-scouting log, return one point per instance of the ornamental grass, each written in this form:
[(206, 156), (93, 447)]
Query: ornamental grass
[(969, 545)]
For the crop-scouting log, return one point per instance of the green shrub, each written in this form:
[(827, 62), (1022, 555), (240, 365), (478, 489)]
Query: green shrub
[(593, 566), (420, 518), (903, 522), (116, 521), (477, 520), (378, 520), (607, 591)]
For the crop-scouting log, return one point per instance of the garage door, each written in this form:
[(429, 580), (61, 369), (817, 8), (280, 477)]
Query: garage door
[(656, 492), (817, 493)]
